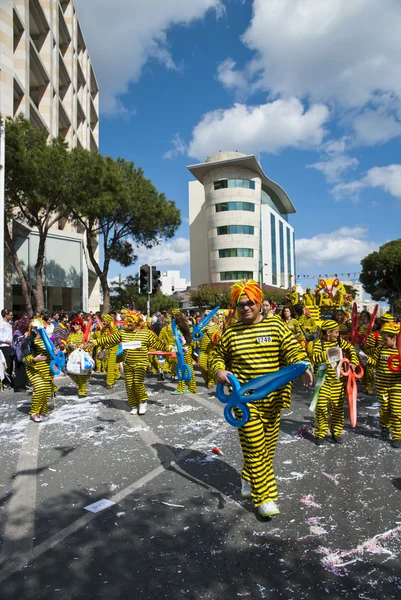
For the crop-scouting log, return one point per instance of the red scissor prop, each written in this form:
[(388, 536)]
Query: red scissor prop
[(352, 376), (88, 330), (370, 326), (156, 353), (394, 361)]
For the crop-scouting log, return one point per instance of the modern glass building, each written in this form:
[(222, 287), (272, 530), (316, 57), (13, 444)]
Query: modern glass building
[(239, 223)]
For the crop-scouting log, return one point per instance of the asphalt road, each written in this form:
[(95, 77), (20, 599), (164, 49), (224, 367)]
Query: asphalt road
[(178, 527)]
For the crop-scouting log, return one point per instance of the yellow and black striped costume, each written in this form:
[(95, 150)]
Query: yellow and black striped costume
[(388, 388), (307, 325), (166, 335), (136, 361), (112, 370), (207, 347), (189, 360), (41, 378), (249, 351), (74, 340), (332, 392)]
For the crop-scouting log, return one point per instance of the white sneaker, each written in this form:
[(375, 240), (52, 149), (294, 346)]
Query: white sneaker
[(246, 490), (143, 407), (268, 509), (37, 418), (134, 411)]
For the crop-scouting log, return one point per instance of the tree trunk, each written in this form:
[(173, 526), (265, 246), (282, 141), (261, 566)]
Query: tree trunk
[(106, 293), (39, 295), (102, 274), (17, 265)]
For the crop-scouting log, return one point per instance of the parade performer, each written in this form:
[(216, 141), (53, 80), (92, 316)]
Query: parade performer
[(206, 347), (268, 307), (373, 342), (251, 347), (294, 296), (40, 375), (288, 316), (308, 330), (187, 346), (388, 384), (308, 298), (136, 343), (332, 392), (112, 370), (166, 336), (344, 324), (368, 377), (74, 341)]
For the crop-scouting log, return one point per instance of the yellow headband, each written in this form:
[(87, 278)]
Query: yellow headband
[(248, 288), (175, 311)]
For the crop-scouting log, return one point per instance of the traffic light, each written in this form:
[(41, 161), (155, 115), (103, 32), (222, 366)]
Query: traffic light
[(144, 280), (156, 281)]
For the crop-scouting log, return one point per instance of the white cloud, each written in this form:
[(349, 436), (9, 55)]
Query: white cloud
[(372, 127), (231, 78), (267, 127), (388, 178), (334, 50), (345, 246), (176, 251), (179, 147), (122, 35), (335, 166)]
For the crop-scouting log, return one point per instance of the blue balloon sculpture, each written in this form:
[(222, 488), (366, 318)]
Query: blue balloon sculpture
[(197, 333), (182, 369), (255, 389), (58, 359)]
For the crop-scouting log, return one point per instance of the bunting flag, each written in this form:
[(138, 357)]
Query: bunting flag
[(355, 274)]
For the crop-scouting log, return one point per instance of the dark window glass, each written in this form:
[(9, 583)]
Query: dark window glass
[(231, 183), (236, 252), (230, 275), (245, 229), (224, 206)]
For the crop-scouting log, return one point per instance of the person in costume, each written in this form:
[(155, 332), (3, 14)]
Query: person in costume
[(40, 375), (288, 316), (74, 341), (332, 392), (308, 298), (373, 342), (368, 375), (325, 299), (112, 370), (268, 307), (207, 346), (250, 347), (308, 329), (167, 336), (187, 346), (294, 296), (136, 342), (344, 324), (388, 384)]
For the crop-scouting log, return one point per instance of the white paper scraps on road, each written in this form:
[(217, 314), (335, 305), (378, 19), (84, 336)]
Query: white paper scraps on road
[(99, 505), (54, 470), (171, 504)]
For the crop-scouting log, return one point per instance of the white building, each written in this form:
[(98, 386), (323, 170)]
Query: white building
[(47, 75), (173, 282), (238, 221)]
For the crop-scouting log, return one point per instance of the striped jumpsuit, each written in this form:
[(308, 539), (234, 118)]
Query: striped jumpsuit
[(74, 340), (206, 347), (188, 359), (166, 335), (249, 351), (332, 391), (135, 360), (373, 342), (41, 377), (388, 388)]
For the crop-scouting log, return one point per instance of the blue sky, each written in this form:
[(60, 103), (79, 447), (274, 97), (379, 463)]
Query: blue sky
[(314, 86)]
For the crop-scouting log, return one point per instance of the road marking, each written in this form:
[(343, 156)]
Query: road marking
[(19, 529)]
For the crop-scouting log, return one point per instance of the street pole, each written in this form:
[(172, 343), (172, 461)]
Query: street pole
[(149, 292), (2, 215)]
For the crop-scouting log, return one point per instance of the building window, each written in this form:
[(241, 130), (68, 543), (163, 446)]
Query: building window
[(289, 269), (273, 248), (236, 252), (223, 206), (230, 275), (282, 266), (245, 229), (234, 183)]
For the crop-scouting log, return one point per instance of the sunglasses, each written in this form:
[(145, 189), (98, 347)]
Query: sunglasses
[(243, 305)]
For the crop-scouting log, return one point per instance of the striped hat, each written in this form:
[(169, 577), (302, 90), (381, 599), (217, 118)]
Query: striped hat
[(132, 319), (175, 311), (107, 318), (391, 328), (329, 325), (387, 318)]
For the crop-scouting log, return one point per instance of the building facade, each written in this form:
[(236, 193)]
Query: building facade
[(239, 223), (173, 282), (47, 75)]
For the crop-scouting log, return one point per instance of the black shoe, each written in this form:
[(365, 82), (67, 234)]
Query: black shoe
[(396, 443), (385, 433), (162, 377), (319, 441), (337, 439)]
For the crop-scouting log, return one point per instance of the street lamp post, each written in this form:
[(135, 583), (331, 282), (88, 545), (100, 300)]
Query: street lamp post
[(151, 283), (261, 273)]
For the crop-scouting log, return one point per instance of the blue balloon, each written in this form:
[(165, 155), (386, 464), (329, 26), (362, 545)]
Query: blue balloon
[(182, 370), (119, 351), (197, 333), (254, 389), (58, 361)]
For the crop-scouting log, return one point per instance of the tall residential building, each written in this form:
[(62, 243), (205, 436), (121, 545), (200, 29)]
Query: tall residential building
[(238, 220), (46, 74)]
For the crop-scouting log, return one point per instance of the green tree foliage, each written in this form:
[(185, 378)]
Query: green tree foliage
[(126, 295), (36, 186), (115, 204), (209, 296), (381, 273)]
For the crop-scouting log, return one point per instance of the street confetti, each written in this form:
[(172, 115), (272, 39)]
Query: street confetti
[(309, 501), (334, 478), (171, 504)]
